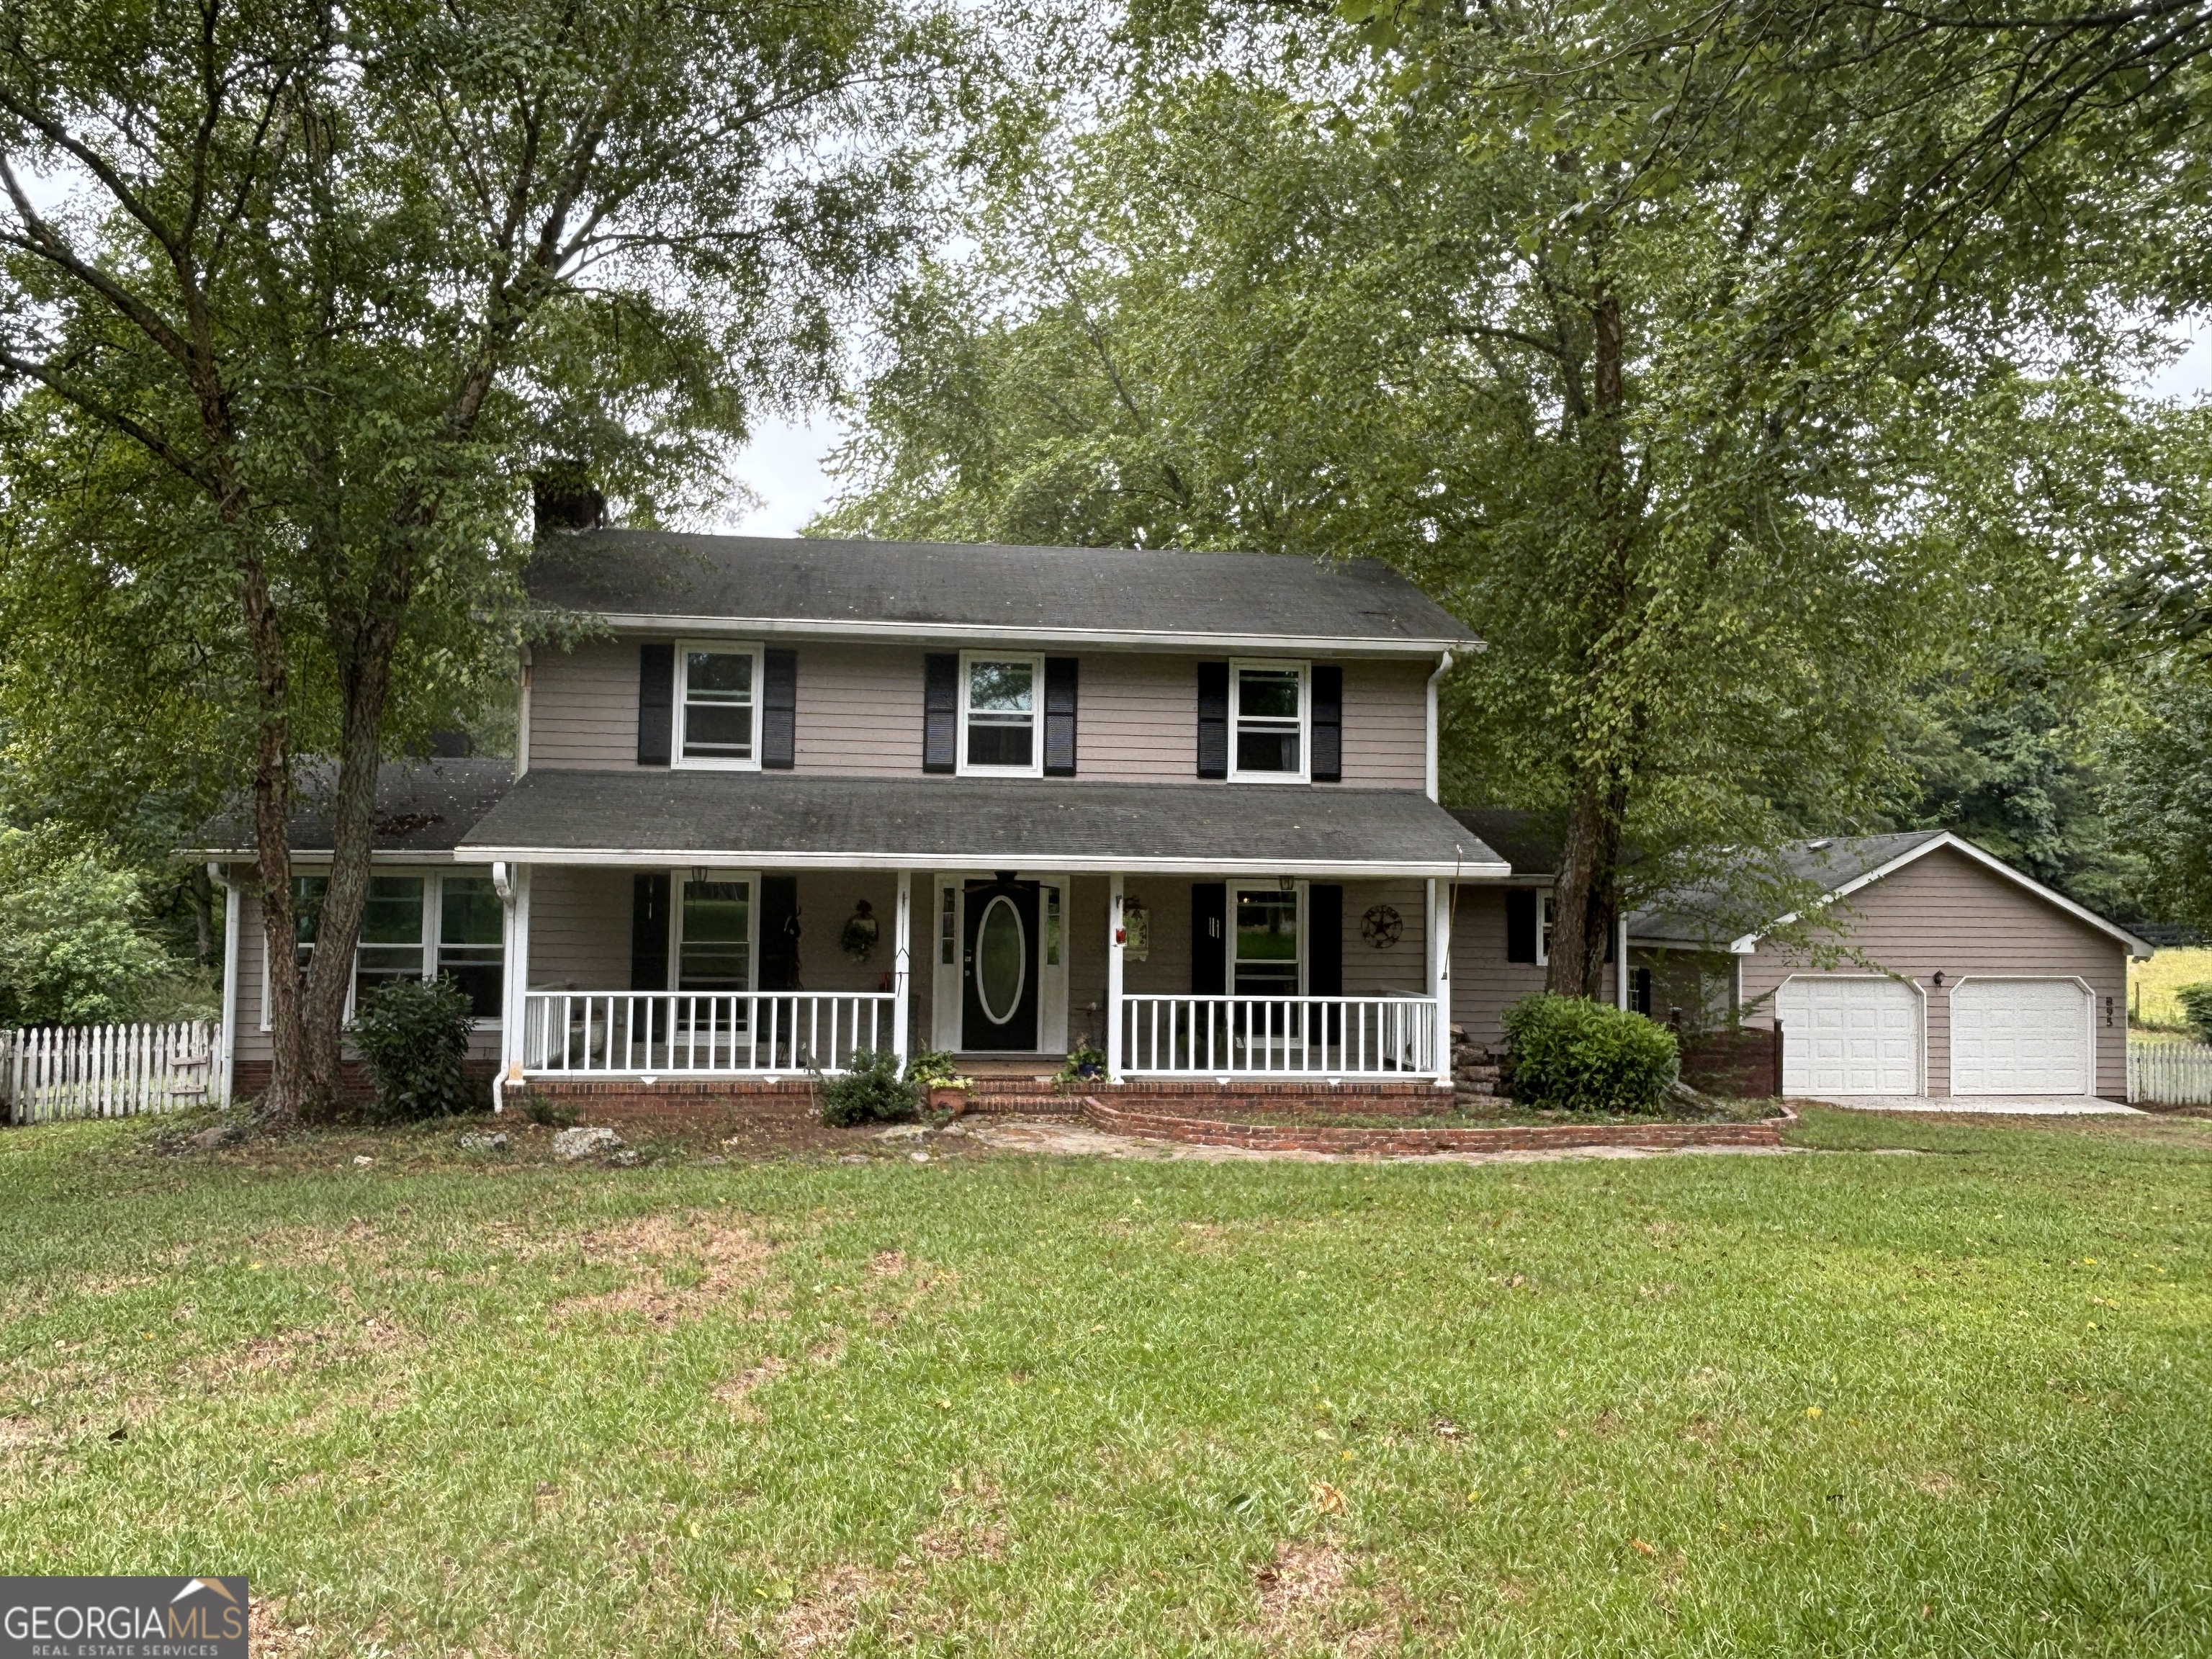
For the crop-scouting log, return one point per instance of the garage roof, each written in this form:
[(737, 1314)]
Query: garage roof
[(750, 819), (1840, 865)]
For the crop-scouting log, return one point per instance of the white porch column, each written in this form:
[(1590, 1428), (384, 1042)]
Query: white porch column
[(1114, 944), (902, 967), (511, 882), (227, 1039), (1440, 921)]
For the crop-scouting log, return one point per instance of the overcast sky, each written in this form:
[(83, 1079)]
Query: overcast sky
[(783, 465)]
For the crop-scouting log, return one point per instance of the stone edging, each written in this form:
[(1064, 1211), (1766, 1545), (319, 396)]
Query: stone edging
[(1210, 1131)]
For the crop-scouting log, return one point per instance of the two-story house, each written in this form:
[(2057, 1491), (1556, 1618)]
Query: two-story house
[(789, 799)]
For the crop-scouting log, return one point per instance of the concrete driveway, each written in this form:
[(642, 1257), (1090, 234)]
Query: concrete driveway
[(1985, 1105)]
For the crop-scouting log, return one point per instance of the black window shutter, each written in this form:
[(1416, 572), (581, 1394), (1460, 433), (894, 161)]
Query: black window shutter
[(1214, 720), (656, 701), (1060, 717), (1328, 726), (1519, 924), (648, 931), (1209, 955), (779, 933), (779, 710), (1324, 939), (940, 712)]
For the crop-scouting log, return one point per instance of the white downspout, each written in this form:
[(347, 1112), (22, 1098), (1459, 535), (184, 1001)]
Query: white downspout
[(1620, 962), (227, 1039), (1444, 668)]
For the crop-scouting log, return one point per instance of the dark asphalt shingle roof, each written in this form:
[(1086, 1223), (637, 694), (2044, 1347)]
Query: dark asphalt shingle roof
[(925, 822), (1716, 915), (1529, 842), (422, 806), (1106, 592)]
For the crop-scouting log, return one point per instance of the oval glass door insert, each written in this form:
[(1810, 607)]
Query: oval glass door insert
[(1002, 960)]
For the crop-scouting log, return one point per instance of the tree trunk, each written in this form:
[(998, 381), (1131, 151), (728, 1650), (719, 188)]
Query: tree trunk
[(1585, 902), (202, 892)]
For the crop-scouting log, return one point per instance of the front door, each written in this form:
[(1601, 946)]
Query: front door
[(999, 966)]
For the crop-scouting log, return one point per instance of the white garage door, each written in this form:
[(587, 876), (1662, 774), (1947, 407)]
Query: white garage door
[(1848, 1036), (2019, 1036)]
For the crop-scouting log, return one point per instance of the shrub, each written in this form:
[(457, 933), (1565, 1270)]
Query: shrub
[(1570, 1054), (544, 1109), (873, 1091), (413, 1034), (2195, 1002)]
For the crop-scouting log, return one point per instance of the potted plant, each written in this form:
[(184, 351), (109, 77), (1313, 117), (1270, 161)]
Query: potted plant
[(1085, 1065), (931, 1071)]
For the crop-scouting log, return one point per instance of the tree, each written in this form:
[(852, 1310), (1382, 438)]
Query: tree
[(72, 949), (327, 284), (1581, 394)]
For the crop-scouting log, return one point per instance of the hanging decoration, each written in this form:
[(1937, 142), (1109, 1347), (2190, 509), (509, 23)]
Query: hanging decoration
[(1382, 927), (1136, 930), (860, 932)]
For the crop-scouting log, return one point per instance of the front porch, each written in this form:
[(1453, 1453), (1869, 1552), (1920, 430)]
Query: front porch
[(642, 973)]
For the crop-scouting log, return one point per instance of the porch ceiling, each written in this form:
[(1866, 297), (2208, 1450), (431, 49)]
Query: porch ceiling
[(770, 819)]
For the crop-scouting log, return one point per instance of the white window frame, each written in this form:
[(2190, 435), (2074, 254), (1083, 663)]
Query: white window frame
[(1035, 768), (719, 649), (1543, 927), (434, 918), (1305, 670), (677, 879), (1228, 931)]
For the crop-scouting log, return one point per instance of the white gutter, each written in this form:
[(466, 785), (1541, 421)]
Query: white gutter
[(741, 858), (1018, 633), (1436, 738)]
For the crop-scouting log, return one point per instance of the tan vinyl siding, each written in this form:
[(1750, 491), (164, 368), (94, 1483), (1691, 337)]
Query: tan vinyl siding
[(1086, 960), (1166, 970), (1944, 912), (1386, 725), (1137, 718), (1401, 970), (580, 922), (1484, 983), (583, 705), (858, 713)]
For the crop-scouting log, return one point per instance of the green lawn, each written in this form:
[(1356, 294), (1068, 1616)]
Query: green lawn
[(1845, 1403), (2152, 1005)]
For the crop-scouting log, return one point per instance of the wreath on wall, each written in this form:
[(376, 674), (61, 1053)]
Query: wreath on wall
[(1382, 927)]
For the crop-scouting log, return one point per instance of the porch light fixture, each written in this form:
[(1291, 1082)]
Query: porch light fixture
[(1937, 980), (699, 873)]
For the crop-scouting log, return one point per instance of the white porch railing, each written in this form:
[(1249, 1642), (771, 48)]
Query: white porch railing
[(619, 1033), (1271, 1036)]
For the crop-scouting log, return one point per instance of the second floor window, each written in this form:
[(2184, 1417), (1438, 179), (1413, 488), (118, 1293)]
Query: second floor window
[(998, 714), (718, 706), (1267, 713)]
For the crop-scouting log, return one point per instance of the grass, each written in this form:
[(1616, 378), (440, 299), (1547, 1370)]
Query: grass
[(2152, 983), (1948, 1402)]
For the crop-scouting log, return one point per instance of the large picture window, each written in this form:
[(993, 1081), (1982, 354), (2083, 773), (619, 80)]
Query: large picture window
[(714, 934), (998, 714), (413, 927), (718, 701), (1265, 959), (1267, 718)]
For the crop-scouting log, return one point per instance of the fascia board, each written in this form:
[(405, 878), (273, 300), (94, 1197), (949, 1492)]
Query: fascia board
[(1010, 634), (753, 857)]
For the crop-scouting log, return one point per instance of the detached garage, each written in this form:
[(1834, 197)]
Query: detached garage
[(1962, 977)]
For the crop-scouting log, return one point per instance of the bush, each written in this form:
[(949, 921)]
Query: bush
[(547, 1112), (2195, 1002), (1569, 1053), (873, 1091), (413, 1034)]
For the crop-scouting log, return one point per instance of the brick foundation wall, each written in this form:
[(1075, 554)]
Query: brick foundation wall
[(1161, 1121), (250, 1077)]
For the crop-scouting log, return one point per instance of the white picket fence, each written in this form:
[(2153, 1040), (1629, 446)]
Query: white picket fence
[(2170, 1074), (53, 1071)]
